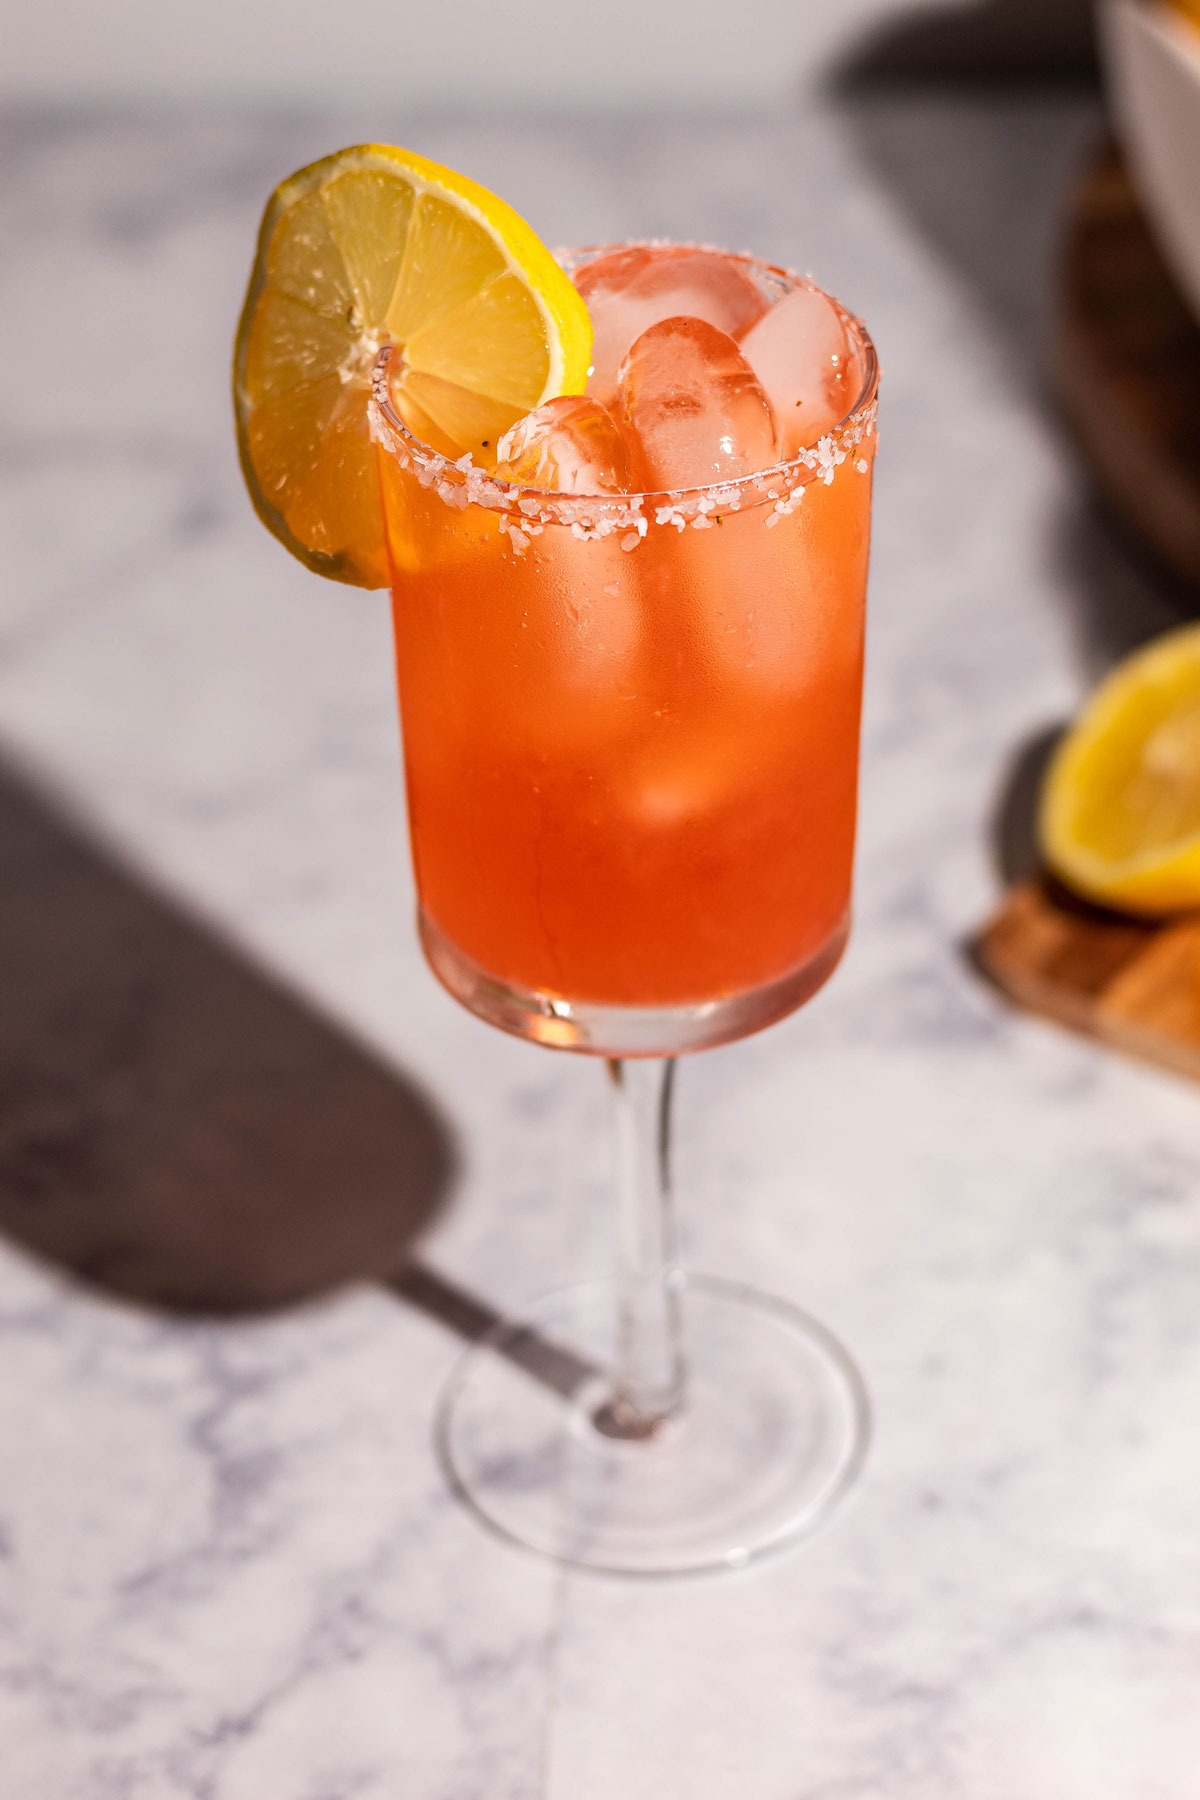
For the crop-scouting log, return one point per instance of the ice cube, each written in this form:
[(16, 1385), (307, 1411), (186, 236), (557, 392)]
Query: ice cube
[(631, 289), (800, 351), (571, 445), (694, 408)]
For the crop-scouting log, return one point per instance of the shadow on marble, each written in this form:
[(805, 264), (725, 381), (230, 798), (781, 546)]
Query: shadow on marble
[(1012, 832), (1124, 596), (1129, 602), (176, 1127), (555, 1365), (983, 174)]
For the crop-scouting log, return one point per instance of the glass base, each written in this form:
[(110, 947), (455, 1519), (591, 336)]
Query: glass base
[(624, 1030), (773, 1432)]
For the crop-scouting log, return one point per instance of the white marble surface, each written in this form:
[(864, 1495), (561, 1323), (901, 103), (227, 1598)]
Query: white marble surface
[(228, 1570)]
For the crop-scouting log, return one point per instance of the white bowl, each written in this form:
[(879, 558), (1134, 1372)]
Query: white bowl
[(1152, 62)]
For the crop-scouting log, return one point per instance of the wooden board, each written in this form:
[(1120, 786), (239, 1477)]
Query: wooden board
[(1128, 367), (1135, 986)]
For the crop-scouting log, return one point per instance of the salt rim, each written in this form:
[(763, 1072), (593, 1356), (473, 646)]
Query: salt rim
[(525, 512)]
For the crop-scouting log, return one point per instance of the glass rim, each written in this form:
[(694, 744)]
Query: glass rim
[(761, 486)]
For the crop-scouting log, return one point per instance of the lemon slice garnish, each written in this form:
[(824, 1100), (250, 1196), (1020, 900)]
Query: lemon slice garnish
[(374, 246)]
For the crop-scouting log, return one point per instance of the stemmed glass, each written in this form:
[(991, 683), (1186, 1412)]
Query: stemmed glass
[(631, 734)]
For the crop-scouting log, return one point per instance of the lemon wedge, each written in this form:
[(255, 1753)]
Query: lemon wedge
[(1120, 812), (374, 246)]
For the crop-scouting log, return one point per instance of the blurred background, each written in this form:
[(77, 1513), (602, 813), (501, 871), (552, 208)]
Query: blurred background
[(473, 54)]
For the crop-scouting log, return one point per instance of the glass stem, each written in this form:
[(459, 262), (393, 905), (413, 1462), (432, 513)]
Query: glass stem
[(650, 1376)]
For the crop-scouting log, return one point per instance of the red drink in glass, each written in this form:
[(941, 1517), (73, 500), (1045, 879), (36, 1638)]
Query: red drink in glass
[(631, 735)]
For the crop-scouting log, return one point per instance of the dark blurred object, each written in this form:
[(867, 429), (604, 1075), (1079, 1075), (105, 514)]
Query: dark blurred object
[(175, 1125), (998, 40), (1131, 983), (1151, 58), (1129, 368)]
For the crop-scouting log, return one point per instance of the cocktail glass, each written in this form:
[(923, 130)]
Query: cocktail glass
[(631, 739)]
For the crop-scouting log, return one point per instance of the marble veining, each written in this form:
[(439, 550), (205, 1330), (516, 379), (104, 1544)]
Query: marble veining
[(258, 1175)]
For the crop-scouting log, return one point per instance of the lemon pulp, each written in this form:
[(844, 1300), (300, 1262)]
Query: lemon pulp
[(1120, 816), (376, 245)]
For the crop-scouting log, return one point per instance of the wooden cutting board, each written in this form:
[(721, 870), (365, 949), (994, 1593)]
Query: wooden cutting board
[(1128, 367), (1133, 985)]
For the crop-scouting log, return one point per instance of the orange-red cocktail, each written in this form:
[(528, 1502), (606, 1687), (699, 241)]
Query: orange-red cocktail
[(631, 721)]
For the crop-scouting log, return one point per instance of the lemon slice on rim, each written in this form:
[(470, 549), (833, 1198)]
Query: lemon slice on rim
[(374, 246), (1120, 813)]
